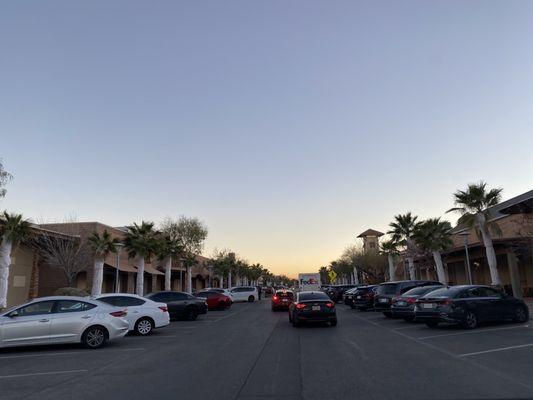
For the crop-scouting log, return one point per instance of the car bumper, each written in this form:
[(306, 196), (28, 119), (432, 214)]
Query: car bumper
[(425, 316), (118, 329)]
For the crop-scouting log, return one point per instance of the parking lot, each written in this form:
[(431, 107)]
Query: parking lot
[(250, 352)]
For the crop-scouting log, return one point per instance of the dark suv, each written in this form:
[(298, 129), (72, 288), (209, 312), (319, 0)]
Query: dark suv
[(388, 290), (363, 297)]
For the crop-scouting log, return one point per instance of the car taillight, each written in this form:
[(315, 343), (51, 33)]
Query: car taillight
[(446, 302), (275, 298), (329, 304), (121, 313), (410, 300), (164, 308), (300, 306)]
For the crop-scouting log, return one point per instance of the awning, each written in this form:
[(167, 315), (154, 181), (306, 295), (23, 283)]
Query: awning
[(151, 270), (111, 261)]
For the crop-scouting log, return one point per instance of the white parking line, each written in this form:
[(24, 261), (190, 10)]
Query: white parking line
[(472, 332), (65, 353), (495, 350), (72, 371)]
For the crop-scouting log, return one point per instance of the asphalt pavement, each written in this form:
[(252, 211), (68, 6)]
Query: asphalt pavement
[(251, 353)]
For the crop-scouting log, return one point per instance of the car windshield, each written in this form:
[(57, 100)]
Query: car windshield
[(388, 288), (306, 296)]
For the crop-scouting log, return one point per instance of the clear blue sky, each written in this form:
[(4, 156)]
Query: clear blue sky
[(287, 126)]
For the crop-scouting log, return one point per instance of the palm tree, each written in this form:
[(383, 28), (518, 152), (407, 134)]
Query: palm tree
[(13, 230), (433, 236), (167, 247), (390, 249), (141, 243), (402, 232), (102, 247), (472, 204)]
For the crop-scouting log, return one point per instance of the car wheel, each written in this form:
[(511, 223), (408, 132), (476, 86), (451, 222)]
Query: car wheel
[(222, 305), (387, 314), (144, 326), (251, 299), (432, 324), (295, 322), (470, 321), (521, 315), (333, 322), (94, 337), (290, 317), (191, 314)]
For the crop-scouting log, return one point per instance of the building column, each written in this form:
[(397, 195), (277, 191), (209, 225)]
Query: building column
[(131, 283), (514, 275), (154, 284)]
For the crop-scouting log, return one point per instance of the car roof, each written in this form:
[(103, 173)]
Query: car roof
[(116, 294), (49, 298)]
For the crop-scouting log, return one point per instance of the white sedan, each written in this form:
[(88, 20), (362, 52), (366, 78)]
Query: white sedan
[(62, 319), (144, 315)]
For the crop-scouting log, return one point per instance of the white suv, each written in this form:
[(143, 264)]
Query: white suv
[(244, 293)]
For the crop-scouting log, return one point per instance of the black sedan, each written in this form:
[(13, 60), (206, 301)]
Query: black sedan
[(348, 297), (181, 305), (469, 305), (403, 306), (336, 292), (363, 297), (312, 307)]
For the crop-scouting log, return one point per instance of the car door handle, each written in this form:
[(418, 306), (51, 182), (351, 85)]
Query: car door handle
[(44, 320), (86, 317)]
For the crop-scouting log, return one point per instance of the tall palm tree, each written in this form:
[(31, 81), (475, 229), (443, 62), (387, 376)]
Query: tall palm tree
[(433, 236), (167, 247), (403, 228), (472, 204), (13, 230), (141, 243), (102, 246), (390, 249)]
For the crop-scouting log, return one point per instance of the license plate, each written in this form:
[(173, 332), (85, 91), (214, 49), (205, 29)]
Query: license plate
[(383, 300), (284, 300), (401, 303), (427, 305), (358, 297), (315, 308)]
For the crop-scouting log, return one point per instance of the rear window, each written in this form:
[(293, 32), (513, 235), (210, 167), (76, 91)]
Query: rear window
[(443, 293), (312, 296), (388, 288), (287, 295), (419, 291)]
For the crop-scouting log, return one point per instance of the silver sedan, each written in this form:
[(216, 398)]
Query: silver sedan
[(62, 319)]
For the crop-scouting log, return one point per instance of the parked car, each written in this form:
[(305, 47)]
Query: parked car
[(363, 297), (312, 307), (143, 315), (348, 297), (403, 306), (281, 300), (215, 299), (225, 292), (388, 290), (336, 292), (469, 306), (180, 304), (244, 293), (62, 319)]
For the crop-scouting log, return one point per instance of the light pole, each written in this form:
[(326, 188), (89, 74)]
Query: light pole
[(468, 269), (119, 247)]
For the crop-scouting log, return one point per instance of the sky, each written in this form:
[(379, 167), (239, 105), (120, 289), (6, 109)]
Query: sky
[(288, 127)]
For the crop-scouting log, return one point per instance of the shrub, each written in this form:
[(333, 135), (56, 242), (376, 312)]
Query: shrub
[(71, 291)]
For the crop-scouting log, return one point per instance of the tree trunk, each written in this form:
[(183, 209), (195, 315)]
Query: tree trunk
[(355, 276), (392, 270), (489, 250), (5, 262), (229, 280), (168, 273), (189, 280), (412, 272), (221, 282), (98, 277), (139, 288), (440, 267)]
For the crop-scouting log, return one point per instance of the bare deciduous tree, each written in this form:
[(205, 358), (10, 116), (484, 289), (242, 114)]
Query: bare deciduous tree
[(4, 178)]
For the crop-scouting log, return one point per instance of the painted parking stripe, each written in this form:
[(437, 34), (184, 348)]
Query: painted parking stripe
[(65, 353), (72, 371), (496, 350), (472, 332)]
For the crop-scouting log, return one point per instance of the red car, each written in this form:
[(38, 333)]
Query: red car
[(282, 299), (215, 300)]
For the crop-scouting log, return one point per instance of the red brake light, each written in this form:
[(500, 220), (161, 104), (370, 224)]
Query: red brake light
[(121, 313), (446, 302), (275, 298), (329, 304), (164, 308), (411, 300), (300, 306)]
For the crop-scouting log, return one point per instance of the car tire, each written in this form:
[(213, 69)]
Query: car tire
[(409, 319), (432, 324), (387, 314), (295, 322), (274, 309), (290, 317), (333, 322), (144, 326), (362, 308), (251, 299), (94, 337), (191, 314), (222, 305), (470, 321), (521, 315)]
